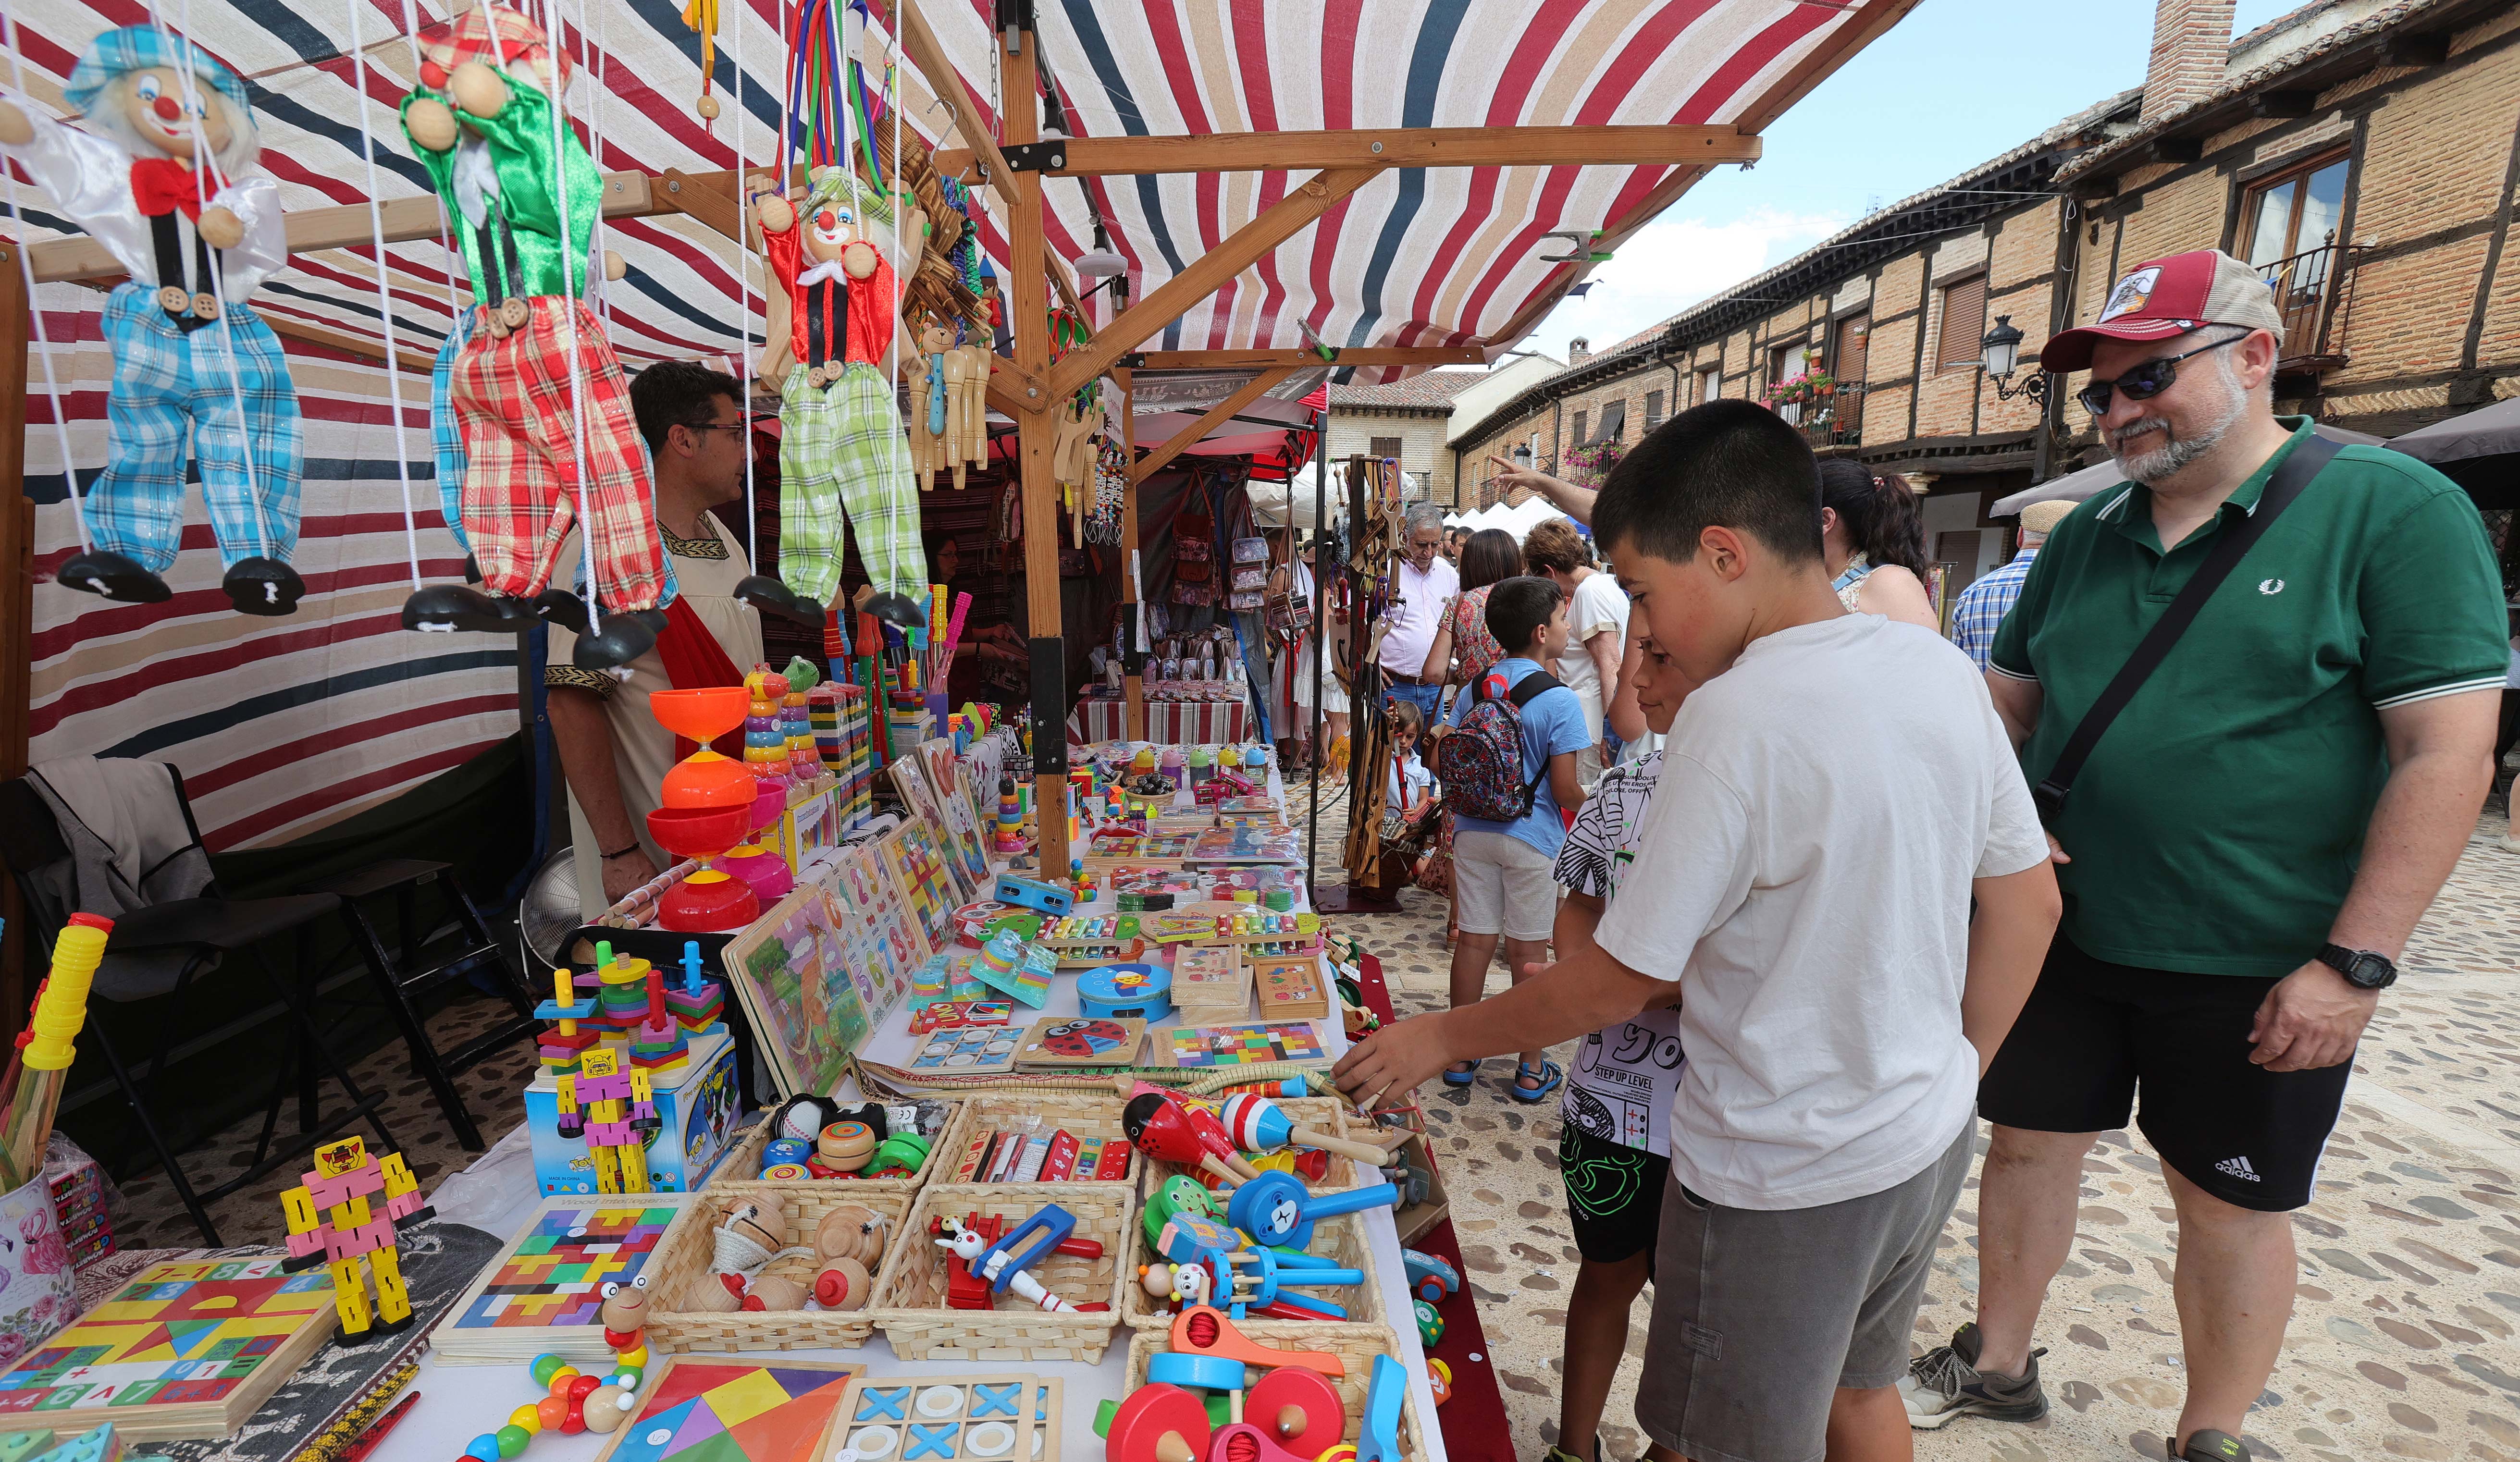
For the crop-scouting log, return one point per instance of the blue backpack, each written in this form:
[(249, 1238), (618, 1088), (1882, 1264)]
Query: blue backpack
[(1482, 762)]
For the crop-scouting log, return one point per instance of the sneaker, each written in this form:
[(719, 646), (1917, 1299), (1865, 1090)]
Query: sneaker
[(1943, 1385), (2208, 1446)]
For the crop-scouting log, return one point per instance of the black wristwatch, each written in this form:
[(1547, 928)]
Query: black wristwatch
[(2361, 969)]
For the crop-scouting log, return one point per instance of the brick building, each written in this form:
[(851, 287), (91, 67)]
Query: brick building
[(1408, 420), (2391, 125)]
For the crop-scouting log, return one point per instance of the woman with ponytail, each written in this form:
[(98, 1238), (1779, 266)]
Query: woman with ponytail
[(1873, 534)]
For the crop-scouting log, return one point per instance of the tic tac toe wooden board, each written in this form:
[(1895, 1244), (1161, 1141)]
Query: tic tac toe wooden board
[(545, 1291), (730, 1408), (185, 1350), (971, 1050), (993, 1418), (1251, 1044), (1082, 1040)]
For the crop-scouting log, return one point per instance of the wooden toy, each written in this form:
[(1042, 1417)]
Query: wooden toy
[(968, 1052), (1243, 1045), (1177, 1194), (25, 1445), (1165, 1127), (1208, 1331), (1432, 1279), (1069, 1040), (1439, 1380), (350, 1209), (43, 1067), (1243, 1276), (1298, 1406), (843, 1284), (616, 1112), (1430, 1324), (545, 1292), (1290, 988), (955, 1015), (1159, 1424), (1258, 1124), (851, 1232), (1273, 1209), (1379, 1431), (1090, 940), (1033, 893), (1211, 985), (1142, 991), (712, 1406), (845, 1146), (775, 1291), (1001, 1265), (949, 1418)]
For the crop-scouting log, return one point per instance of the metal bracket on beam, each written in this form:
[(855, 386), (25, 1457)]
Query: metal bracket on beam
[(1135, 360), (1036, 156), (1049, 709)]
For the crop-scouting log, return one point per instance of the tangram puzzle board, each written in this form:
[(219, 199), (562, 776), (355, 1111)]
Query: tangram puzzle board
[(950, 1419), (178, 1335), (713, 1410), (555, 1274), (1243, 1045)]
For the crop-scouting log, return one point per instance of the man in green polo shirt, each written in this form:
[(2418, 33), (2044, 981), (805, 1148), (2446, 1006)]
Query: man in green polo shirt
[(2247, 847)]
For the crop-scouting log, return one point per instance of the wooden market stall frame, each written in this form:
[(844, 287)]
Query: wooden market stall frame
[(1026, 388)]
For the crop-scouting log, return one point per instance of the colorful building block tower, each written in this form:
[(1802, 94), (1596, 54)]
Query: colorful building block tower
[(616, 1112), (335, 1217)]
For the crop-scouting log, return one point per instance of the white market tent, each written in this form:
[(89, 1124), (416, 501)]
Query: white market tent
[(1388, 179)]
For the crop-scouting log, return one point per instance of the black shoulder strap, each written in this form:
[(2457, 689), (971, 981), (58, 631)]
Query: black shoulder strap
[(2303, 465), (1524, 691)]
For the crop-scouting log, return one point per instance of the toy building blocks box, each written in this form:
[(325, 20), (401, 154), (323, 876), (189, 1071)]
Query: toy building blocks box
[(695, 1101)]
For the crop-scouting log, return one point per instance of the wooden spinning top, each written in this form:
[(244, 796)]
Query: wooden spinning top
[(850, 1231), (843, 1284), (775, 1291)]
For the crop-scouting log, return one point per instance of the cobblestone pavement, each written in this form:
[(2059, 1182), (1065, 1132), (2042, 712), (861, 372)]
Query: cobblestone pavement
[(2401, 1344)]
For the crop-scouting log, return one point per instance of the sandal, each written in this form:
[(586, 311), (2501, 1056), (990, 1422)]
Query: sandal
[(1454, 1078), (1550, 1075)]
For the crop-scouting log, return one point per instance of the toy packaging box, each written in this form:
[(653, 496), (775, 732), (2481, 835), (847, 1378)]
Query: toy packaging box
[(696, 1102)]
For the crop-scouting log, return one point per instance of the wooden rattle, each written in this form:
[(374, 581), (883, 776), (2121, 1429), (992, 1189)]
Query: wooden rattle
[(852, 1231), (843, 1284), (1258, 1124)]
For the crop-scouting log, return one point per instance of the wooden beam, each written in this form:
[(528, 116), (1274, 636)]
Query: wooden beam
[(1018, 384), (1393, 147), (1262, 360), (1205, 274), (16, 607), (420, 366), (1191, 435), (626, 195), (1133, 685), (1029, 301)]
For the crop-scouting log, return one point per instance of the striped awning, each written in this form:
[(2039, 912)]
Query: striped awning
[(284, 725)]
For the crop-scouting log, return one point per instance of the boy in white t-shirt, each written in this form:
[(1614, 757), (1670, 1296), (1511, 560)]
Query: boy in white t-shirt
[(1833, 797), (1613, 1142)]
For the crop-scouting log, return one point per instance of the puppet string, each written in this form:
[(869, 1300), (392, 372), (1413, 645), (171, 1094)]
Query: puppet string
[(35, 310), (384, 294)]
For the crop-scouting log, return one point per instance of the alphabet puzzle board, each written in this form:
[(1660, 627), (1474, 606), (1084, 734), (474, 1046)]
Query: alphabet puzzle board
[(545, 1291), (185, 1350), (949, 1419), (723, 1408)]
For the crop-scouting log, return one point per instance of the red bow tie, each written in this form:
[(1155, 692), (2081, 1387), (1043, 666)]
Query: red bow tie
[(162, 185)]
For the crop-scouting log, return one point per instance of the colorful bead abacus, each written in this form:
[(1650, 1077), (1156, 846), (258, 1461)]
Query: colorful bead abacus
[(577, 1401)]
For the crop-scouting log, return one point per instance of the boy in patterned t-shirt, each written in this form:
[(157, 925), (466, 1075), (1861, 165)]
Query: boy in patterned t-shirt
[(1613, 1150)]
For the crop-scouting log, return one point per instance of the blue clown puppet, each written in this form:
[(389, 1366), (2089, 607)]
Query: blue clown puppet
[(182, 368)]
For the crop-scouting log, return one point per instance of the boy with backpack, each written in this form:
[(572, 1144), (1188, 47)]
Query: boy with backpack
[(1509, 765), (1835, 794)]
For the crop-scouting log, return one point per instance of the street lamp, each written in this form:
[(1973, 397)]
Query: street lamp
[(2000, 353)]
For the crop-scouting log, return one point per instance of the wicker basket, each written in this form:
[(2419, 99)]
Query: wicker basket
[(1320, 1113), (976, 1119), (682, 1262), (1340, 1240), (1356, 1345), (743, 1165), (910, 1298)]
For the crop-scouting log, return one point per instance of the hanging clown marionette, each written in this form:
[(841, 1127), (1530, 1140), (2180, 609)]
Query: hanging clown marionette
[(540, 402), (166, 177), (830, 319)]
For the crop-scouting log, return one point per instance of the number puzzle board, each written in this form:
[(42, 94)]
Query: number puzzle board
[(888, 945), (792, 971), (185, 1350), (949, 1419), (545, 1291), (967, 1051), (724, 1408), (1242, 1044)]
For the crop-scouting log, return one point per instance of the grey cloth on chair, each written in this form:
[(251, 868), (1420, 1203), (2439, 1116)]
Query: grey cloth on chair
[(131, 847)]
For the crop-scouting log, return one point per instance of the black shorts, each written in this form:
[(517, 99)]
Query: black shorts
[(2094, 1032), (1613, 1195)]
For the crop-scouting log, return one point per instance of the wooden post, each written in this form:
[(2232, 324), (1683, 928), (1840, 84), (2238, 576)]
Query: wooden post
[(1132, 660), (16, 607), (1030, 304)]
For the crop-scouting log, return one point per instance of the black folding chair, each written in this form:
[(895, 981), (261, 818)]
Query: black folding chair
[(205, 932)]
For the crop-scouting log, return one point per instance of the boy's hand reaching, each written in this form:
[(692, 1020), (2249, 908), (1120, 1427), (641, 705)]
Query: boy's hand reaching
[(1398, 1058)]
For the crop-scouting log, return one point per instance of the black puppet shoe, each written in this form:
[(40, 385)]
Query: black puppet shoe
[(622, 639), (263, 586), (898, 610), (772, 597), (104, 572), (561, 608), (444, 608)]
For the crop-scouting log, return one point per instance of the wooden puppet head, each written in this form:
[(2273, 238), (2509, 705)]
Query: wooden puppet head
[(132, 85)]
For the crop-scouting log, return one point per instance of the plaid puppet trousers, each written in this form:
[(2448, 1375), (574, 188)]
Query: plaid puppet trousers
[(167, 379), (842, 447), (514, 401), (445, 432)]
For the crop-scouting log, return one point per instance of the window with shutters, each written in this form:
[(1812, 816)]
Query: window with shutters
[(1614, 421), (1580, 437), (1383, 445), (1654, 410), (1710, 384), (1963, 328), (1847, 363), (1785, 363)]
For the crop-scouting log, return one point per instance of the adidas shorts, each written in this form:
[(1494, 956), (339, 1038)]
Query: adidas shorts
[(2097, 1036)]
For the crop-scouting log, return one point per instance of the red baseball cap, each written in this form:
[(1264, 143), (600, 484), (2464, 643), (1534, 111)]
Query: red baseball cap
[(2160, 298)]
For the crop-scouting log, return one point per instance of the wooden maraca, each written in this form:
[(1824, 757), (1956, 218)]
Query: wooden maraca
[(1258, 1124), (1162, 1126)]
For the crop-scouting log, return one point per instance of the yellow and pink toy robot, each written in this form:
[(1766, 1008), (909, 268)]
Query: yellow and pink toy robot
[(351, 1207)]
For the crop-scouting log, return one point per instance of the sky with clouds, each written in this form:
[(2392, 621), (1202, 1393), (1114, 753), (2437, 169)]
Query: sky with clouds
[(1954, 84)]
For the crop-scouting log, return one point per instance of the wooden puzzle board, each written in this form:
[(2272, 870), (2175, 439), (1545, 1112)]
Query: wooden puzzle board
[(1242, 1044), (1082, 1040), (1290, 988), (545, 1291), (728, 1408), (979, 1418), (969, 1050)]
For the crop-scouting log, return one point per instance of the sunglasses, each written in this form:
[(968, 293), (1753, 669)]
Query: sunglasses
[(2147, 380)]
